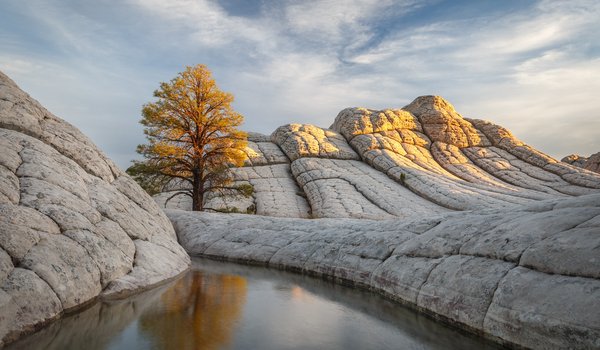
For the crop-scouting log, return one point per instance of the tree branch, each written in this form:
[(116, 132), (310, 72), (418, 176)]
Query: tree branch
[(177, 194)]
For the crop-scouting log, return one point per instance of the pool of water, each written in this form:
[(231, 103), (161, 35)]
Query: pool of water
[(228, 306)]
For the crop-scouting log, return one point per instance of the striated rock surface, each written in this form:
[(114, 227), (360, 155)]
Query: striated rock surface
[(527, 276), (72, 225), (457, 163), (423, 158), (267, 170), (304, 140)]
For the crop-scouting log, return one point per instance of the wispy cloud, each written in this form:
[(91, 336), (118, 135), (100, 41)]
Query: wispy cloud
[(530, 67)]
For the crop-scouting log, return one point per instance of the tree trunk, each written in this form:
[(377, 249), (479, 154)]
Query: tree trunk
[(197, 193)]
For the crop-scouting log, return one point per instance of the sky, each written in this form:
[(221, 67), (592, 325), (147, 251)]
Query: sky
[(530, 66)]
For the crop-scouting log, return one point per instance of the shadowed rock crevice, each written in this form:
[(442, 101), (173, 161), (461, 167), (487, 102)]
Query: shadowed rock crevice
[(494, 296)]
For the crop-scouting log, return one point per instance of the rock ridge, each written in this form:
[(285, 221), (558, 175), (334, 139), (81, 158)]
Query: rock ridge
[(451, 215)]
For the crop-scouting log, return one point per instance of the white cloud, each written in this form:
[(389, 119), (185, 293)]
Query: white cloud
[(15, 65), (305, 61), (527, 71), (204, 21), (332, 20)]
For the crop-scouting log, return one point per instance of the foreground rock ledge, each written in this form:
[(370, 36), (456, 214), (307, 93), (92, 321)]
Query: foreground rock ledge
[(527, 276), (73, 226)]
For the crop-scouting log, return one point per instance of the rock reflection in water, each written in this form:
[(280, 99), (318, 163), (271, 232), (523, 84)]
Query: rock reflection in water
[(228, 306)]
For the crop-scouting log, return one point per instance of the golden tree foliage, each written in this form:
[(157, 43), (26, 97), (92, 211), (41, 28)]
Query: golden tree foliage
[(193, 137)]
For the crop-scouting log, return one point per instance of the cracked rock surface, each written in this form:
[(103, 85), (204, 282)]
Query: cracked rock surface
[(73, 226), (528, 276), (422, 159)]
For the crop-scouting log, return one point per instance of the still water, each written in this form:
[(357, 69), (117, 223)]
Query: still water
[(228, 306)]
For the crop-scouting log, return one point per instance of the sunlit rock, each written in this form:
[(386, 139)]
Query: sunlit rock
[(591, 163), (297, 141), (454, 216)]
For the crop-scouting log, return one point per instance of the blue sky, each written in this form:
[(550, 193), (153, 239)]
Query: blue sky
[(531, 66)]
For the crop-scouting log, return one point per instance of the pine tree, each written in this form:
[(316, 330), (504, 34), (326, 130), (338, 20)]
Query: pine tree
[(192, 137)]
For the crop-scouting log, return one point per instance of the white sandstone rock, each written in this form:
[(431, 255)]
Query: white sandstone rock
[(523, 275), (68, 220)]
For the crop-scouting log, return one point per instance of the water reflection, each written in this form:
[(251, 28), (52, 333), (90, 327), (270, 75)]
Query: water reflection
[(200, 311), (228, 306)]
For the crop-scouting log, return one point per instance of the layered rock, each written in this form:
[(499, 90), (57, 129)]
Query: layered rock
[(304, 140), (455, 162), (424, 157), (73, 226), (337, 184), (453, 216)]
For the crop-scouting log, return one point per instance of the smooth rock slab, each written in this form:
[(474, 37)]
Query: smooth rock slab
[(32, 301), (544, 311), (153, 262), (402, 277), (575, 252), (21, 227), (461, 288)]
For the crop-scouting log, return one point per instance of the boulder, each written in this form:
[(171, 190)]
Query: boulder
[(73, 226)]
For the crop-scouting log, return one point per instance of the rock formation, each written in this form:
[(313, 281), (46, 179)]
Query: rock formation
[(425, 158), (73, 226), (528, 276), (591, 163), (453, 216)]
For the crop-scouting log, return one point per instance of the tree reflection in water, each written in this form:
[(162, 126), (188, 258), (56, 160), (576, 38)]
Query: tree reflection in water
[(199, 311), (220, 305)]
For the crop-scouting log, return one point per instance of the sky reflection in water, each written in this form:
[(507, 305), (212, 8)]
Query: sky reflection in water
[(227, 306)]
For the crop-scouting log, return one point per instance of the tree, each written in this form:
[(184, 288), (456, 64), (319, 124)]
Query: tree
[(192, 138)]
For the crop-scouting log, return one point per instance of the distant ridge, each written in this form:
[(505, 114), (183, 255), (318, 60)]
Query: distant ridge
[(591, 163)]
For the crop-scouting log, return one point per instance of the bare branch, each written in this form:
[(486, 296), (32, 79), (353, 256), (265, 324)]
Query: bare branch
[(186, 193)]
